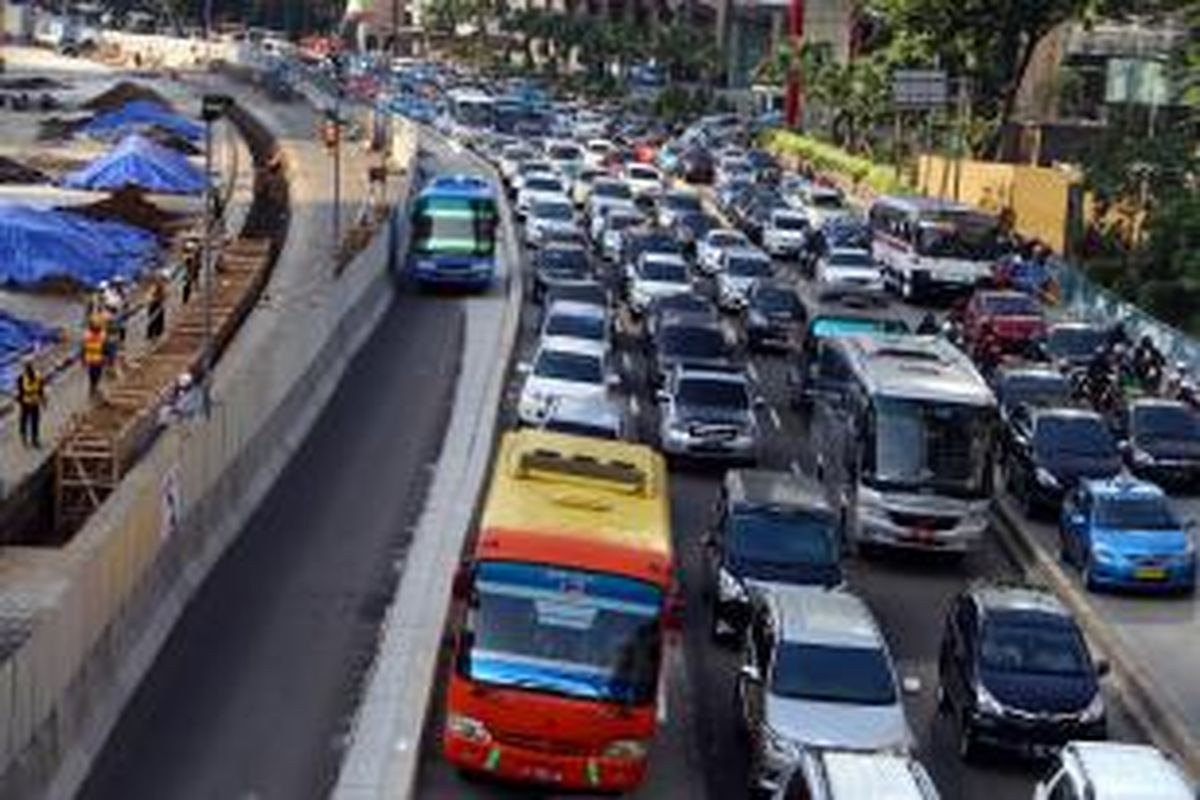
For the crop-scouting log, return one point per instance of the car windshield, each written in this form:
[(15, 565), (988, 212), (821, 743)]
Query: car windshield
[(664, 272), (1023, 646), (560, 212), (643, 174), (851, 258), (1135, 513), (1042, 391), (565, 152), (831, 674), (1166, 422), (748, 267), (566, 366), (848, 235), (936, 445), (571, 260), (1075, 342), (682, 302), (790, 223), (826, 201), (1073, 436), (622, 222), (564, 631), (783, 537), (726, 239), (615, 191), (1011, 305), (829, 327), (698, 224), (959, 240), (683, 202), (712, 393), (690, 342), (777, 301), (542, 184), (576, 326)]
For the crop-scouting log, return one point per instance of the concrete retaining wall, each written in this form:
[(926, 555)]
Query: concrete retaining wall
[(108, 600)]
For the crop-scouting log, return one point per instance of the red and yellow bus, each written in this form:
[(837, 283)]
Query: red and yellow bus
[(556, 672)]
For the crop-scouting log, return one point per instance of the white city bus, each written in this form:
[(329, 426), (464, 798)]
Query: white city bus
[(904, 428), (931, 246)]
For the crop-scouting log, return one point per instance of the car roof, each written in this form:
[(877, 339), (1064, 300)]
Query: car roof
[(569, 344), (1062, 412), (1120, 771), (597, 410), (728, 232), (576, 308), (878, 776), (814, 615), (746, 252), (651, 256), (1158, 402), (1123, 487), (1077, 325), (709, 374), (761, 487), (993, 597), (1031, 371), (690, 320)]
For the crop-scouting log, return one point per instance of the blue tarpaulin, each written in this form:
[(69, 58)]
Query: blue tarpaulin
[(38, 245), (141, 163), (138, 115), (19, 337)]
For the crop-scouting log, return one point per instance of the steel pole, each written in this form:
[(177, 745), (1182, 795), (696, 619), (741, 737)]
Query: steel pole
[(793, 109), (337, 171), (207, 267)]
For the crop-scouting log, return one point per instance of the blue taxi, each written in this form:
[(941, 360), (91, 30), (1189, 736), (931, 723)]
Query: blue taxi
[(1121, 533)]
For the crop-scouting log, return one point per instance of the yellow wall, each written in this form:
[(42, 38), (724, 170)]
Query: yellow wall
[(1038, 196)]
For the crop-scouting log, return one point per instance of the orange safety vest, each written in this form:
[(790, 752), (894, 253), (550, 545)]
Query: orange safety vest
[(93, 347), (32, 388)]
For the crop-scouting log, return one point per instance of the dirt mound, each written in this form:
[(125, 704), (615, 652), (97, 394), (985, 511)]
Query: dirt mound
[(15, 172), (130, 206), (56, 128), (122, 93)]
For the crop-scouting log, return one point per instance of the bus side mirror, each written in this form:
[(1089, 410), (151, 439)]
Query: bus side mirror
[(461, 587), (673, 611)]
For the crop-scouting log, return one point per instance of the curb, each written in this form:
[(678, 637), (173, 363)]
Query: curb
[(1159, 721), (383, 757)]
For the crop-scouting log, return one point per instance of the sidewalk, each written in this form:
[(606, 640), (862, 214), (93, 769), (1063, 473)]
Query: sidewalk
[(67, 393)]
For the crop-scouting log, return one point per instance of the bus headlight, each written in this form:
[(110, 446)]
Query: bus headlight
[(467, 728), (626, 750)]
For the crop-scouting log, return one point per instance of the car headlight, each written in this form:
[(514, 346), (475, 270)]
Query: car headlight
[(1095, 709), (467, 728), (730, 588), (1047, 478), (626, 749), (778, 746), (1142, 458), (986, 702), (1105, 554)]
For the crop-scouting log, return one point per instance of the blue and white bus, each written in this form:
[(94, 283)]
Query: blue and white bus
[(454, 223)]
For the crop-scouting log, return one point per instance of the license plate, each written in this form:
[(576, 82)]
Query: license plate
[(545, 775), (1150, 573), (922, 535)]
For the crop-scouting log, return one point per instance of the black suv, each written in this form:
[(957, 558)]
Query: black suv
[(1015, 673), (771, 528), (1049, 450), (774, 316), (560, 264)]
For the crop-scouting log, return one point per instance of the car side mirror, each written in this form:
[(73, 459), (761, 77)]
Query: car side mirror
[(750, 673), (760, 401), (1103, 667), (911, 684), (709, 540), (1076, 518), (673, 613), (613, 381), (524, 367), (1125, 446), (662, 396)]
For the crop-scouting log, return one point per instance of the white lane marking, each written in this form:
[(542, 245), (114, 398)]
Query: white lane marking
[(627, 363), (635, 407), (752, 371), (775, 418), (795, 466)]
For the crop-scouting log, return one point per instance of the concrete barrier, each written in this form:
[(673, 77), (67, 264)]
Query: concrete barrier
[(103, 606)]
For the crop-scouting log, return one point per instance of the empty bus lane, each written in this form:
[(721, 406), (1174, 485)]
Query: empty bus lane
[(252, 693), (699, 751)]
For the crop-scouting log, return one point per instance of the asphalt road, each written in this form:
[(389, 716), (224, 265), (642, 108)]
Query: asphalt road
[(251, 695), (699, 754)]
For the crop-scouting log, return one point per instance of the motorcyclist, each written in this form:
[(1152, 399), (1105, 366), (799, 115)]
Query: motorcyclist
[(1098, 376), (1148, 363), (929, 325), (988, 352)]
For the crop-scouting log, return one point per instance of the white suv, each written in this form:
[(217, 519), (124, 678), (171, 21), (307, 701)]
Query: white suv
[(1104, 770)]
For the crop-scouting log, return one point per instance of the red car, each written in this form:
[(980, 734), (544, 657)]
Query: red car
[(1014, 318)]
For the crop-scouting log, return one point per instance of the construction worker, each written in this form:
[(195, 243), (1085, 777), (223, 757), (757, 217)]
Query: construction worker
[(93, 353), (31, 396), (156, 310)]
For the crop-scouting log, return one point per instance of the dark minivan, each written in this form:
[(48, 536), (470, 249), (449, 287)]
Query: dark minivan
[(1015, 673), (771, 528), (1049, 450)]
